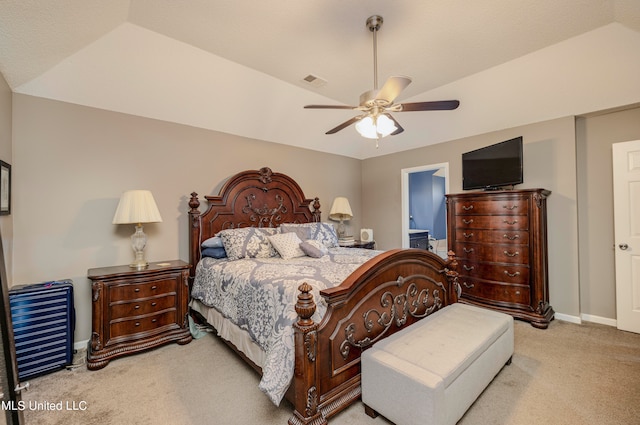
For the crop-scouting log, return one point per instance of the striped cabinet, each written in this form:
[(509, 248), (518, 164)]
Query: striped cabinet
[(500, 242)]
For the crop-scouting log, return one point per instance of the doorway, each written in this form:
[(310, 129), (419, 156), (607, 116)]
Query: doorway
[(423, 202)]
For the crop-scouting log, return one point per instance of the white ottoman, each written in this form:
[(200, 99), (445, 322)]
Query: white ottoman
[(432, 371)]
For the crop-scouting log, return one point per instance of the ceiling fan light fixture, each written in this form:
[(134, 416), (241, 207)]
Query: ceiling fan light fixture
[(375, 127)]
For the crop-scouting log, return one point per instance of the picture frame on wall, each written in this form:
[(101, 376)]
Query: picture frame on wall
[(5, 188)]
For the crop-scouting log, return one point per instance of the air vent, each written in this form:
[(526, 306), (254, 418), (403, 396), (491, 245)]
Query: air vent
[(314, 80)]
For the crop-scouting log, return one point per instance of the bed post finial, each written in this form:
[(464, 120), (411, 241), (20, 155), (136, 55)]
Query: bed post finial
[(194, 203), (316, 210), (305, 307)]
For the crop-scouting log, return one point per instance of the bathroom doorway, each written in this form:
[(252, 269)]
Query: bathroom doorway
[(424, 205)]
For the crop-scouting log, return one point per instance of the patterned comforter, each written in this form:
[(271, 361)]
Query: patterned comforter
[(259, 295)]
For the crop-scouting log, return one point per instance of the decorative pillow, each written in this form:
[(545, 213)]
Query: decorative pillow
[(214, 252), (250, 242), (323, 232), (214, 242), (302, 232), (314, 248), (287, 245)]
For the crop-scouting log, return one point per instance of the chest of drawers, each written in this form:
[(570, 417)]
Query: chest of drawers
[(500, 242), (134, 310)]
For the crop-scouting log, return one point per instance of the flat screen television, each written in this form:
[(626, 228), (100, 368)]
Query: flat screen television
[(493, 167)]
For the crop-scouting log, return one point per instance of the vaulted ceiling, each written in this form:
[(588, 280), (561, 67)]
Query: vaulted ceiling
[(239, 66)]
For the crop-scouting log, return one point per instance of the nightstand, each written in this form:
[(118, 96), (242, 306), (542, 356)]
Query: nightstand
[(134, 310), (366, 245)]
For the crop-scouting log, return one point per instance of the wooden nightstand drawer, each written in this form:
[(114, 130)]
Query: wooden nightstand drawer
[(134, 310), (128, 291), (123, 309), (134, 325)]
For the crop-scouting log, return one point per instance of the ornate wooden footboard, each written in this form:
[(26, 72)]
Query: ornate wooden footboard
[(384, 295)]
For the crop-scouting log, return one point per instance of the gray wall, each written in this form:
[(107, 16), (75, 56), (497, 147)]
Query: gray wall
[(595, 135), (6, 154), (72, 163)]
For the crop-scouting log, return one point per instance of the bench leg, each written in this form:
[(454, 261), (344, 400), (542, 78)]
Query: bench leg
[(370, 412)]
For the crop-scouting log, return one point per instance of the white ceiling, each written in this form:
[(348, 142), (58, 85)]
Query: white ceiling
[(238, 66)]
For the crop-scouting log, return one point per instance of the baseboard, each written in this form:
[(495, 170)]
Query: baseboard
[(567, 318), (600, 320), (80, 345), (586, 318)]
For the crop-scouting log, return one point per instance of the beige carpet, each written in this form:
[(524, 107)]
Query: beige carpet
[(568, 374)]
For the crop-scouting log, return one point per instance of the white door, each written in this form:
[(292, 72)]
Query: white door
[(626, 202)]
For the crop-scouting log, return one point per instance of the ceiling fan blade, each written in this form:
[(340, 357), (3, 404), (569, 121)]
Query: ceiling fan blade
[(344, 124), (398, 126), (329, 107), (392, 88), (440, 105)]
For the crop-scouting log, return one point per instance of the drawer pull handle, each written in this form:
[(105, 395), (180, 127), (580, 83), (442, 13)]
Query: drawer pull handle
[(512, 274), (154, 287), (137, 306), (512, 207), (467, 268), (154, 304), (511, 238), (467, 235), (467, 208), (137, 323), (470, 250), (510, 222), (466, 285), (467, 221), (136, 290), (154, 320), (511, 254)]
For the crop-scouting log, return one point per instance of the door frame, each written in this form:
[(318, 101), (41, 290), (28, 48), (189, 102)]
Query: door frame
[(404, 177)]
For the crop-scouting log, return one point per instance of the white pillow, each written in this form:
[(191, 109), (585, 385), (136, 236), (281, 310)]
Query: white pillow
[(314, 248), (287, 245)]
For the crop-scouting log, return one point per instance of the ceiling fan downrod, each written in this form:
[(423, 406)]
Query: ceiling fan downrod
[(374, 23)]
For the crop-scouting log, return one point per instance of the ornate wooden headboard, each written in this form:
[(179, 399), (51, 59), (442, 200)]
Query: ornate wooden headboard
[(253, 198)]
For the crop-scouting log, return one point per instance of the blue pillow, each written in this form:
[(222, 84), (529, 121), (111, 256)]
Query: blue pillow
[(214, 242), (214, 252)]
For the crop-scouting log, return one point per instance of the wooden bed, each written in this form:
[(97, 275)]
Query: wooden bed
[(387, 293)]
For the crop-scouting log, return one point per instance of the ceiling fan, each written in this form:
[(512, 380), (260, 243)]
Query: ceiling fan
[(376, 121)]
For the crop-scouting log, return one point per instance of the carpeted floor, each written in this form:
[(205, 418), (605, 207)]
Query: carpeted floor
[(568, 374)]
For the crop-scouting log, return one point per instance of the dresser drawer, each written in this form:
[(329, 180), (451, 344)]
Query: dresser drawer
[(497, 253), (141, 289), (507, 207), (123, 309), (491, 222), (495, 291), (508, 273), (519, 237), (134, 325)]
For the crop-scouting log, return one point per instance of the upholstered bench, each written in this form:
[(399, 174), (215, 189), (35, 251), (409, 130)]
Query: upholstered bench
[(432, 371)]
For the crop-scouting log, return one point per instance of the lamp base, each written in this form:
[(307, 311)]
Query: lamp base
[(138, 243)]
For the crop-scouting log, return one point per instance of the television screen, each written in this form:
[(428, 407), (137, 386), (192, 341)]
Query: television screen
[(493, 167)]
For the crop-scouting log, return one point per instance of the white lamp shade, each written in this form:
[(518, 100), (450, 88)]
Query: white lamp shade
[(340, 210), (137, 206)]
